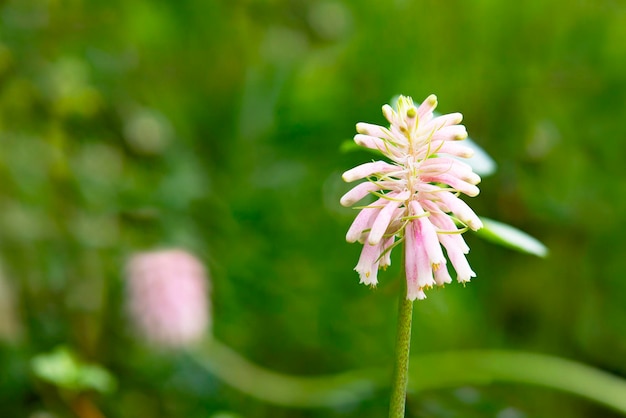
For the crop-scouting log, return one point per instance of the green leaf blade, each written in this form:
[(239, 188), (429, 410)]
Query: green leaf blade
[(511, 237)]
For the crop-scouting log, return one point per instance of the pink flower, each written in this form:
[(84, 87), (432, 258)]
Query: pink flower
[(417, 196), (167, 297)]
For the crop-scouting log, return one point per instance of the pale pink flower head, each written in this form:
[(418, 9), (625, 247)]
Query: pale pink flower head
[(167, 297), (416, 196)]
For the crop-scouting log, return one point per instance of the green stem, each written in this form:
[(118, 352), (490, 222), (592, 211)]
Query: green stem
[(403, 348)]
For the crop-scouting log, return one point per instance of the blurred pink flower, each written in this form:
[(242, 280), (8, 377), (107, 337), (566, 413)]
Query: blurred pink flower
[(417, 196), (167, 297)]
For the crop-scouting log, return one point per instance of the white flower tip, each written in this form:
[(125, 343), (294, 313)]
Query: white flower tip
[(475, 224), (413, 294), (346, 201), (360, 138), (472, 191), (367, 277), (473, 178), (443, 281), (357, 193), (366, 141), (466, 278), (365, 170), (456, 118), (388, 112), (373, 239), (361, 128), (461, 135), (351, 175), (438, 262), (352, 238), (431, 100)]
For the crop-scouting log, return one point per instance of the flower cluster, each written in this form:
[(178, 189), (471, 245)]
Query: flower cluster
[(167, 297), (416, 196)]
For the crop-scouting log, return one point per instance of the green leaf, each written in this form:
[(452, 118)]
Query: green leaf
[(97, 378), (57, 367), (61, 368), (508, 236)]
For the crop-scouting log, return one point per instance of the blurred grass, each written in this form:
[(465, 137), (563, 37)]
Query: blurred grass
[(216, 126)]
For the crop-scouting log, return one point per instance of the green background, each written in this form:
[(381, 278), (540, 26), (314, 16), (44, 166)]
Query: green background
[(215, 126)]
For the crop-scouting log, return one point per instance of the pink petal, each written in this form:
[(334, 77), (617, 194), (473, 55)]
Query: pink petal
[(371, 142), (426, 108), (431, 242), (444, 223), (385, 260), (450, 133), (410, 261), (461, 210), (390, 114), (367, 169), (414, 289), (442, 121), (367, 267), (417, 264), (372, 130), (379, 227), (441, 275), (446, 147), (463, 270), (428, 234), (443, 165), (386, 147), (357, 193), (363, 221), (415, 293), (454, 182)]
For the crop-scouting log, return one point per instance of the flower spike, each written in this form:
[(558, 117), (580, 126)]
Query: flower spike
[(418, 196)]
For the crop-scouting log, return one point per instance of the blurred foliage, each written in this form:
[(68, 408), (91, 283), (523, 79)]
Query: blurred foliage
[(63, 369), (216, 126)]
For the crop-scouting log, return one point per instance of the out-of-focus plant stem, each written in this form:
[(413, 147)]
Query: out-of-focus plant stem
[(84, 407), (436, 371)]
